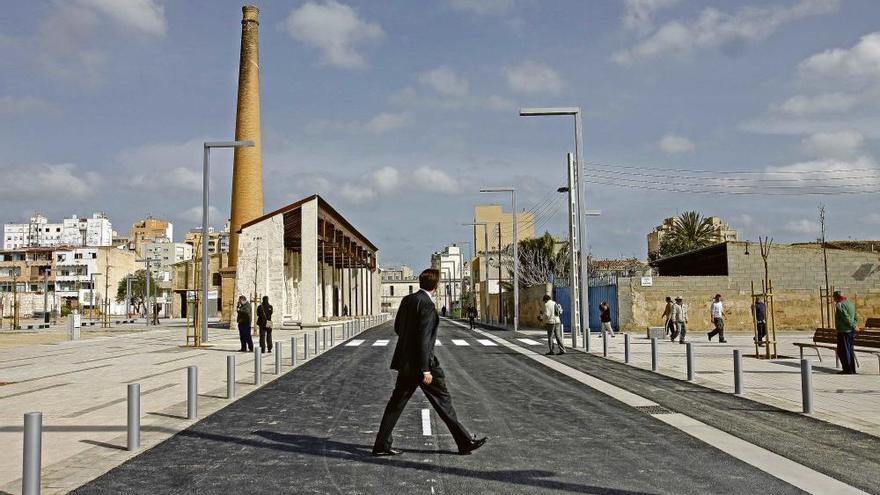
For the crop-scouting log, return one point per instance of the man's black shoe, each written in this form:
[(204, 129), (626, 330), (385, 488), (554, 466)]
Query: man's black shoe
[(386, 453), (560, 353), (709, 334), (474, 445), (549, 353), (722, 341)]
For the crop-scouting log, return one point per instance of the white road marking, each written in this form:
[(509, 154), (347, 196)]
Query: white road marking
[(529, 341), (354, 343), (787, 470), (437, 342), (487, 342), (459, 342), (426, 422), (380, 343)]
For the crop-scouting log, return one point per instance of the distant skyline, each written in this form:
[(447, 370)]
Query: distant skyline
[(397, 112)]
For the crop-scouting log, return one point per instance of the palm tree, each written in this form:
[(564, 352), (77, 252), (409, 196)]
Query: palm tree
[(689, 231)]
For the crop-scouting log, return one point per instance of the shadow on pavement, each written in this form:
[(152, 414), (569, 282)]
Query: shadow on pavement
[(324, 448)]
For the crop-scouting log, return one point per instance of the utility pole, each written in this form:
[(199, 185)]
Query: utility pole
[(127, 296), (500, 290), (92, 296), (106, 322), (46, 295), (824, 252), (574, 275), (15, 274)]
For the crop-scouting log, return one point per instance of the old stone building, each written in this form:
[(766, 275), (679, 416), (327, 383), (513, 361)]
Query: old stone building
[(311, 262)]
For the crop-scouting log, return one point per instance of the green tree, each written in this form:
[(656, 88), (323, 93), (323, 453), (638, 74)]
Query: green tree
[(138, 289), (689, 231)]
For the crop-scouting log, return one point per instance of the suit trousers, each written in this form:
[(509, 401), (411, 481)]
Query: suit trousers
[(554, 331), (438, 396)]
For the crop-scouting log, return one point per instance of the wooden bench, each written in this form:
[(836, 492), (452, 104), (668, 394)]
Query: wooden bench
[(866, 341)]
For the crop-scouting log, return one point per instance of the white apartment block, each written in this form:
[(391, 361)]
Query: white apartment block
[(168, 253), (74, 231), (450, 262)]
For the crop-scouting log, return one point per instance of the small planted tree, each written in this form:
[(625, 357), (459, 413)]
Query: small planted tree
[(138, 290)]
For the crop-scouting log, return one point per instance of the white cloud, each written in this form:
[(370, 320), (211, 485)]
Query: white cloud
[(482, 7), (802, 227), (35, 183), (839, 144), (145, 16), (858, 174), (499, 103), (533, 77), (385, 178), (163, 166), (11, 105), (673, 144), (858, 64), (335, 29), (638, 15), (194, 216), (445, 81), (800, 105), (714, 29), (742, 220), (435, 180)]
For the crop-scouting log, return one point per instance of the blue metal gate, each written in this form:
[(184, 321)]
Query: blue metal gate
[(563, 296), (598, 294)]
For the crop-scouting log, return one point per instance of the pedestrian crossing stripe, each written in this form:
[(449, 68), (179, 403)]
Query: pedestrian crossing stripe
[(437, 342), (380, 343), (354, 343), (459, 342), (487, 342), (529, 341)]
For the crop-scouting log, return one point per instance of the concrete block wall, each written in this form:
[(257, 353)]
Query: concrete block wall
[(795, 309), (260, 253)]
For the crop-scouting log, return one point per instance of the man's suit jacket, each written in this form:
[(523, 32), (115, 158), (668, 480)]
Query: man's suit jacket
[(416, 328)]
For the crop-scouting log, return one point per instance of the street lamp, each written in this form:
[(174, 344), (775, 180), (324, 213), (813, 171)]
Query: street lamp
[(147, 305), (205, 187), (579, 189), (512, 192), (92, 295), (486, 257)]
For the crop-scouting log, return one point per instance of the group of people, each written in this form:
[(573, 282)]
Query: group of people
[(244, 316), (675, 317)]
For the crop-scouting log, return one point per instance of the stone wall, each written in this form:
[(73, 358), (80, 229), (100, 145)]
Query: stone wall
[(531, 302), (795, 308), (260, 270)]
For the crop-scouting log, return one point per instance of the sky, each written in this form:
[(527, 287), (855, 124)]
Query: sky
[(398, 112)]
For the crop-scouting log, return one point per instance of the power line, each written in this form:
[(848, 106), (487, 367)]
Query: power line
[(672, 188), (767, 178), (750, 186), (732, 172)]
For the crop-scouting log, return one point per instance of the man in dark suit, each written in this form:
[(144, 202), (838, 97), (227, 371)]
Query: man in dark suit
[(416, 329)]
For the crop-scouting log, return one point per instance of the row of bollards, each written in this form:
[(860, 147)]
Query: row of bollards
[(33, 421), (738, 383)]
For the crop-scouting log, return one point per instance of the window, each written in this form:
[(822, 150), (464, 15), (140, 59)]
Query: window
[(392, 290), (77, 256), (94, 256), (410, 289)]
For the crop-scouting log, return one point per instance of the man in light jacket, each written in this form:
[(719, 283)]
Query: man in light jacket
[(679, 319), (550, 316)]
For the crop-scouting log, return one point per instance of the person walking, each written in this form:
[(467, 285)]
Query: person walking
[(679, 319), (845, 321), (667, 317), (243, 317), (605, 317), (716, 312), (264, 322), (417, 367), (471, 314), (549, 314), (760, 319)]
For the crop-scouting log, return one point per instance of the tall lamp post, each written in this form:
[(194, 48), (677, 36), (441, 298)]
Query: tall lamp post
[(512, 192), (148, 307), (461, 274), (205, 190), (92, 296), (579, 167), (485, 300)]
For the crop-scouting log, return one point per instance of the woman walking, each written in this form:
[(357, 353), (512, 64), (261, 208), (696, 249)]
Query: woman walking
[(264, 322)]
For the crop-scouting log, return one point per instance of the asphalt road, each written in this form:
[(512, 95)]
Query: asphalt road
[(312, 430)]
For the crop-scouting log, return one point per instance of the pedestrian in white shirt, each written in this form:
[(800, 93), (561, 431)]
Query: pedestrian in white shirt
[(716, 311), (550, 314), (679, 320)]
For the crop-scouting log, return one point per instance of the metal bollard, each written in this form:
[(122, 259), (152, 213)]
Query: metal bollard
[(807, 385), (279, 355), (690, 361), (316, 342), (626, 348), (230, 377), (292, 352), (737, 372), (324, 338), (653, 353), (134, 416), (258, 367), (305, 346), (33, 450), (604, 344), (192, 391), (332, 336)]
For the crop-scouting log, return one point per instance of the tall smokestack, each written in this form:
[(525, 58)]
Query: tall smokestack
[(247, 167)]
